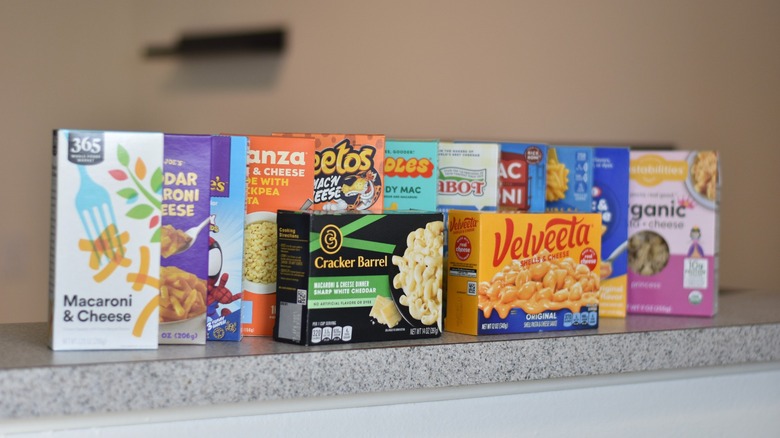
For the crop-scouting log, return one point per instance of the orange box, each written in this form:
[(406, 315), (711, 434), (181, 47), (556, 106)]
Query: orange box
[(348, 171), (522, 272), (280, 176)]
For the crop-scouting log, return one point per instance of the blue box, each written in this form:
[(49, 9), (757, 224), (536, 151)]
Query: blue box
[(569, 179)]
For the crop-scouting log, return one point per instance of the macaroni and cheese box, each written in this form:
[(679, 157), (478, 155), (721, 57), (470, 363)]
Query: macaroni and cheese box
[(522, 272), (105, 254), (226, 238), (410, 174), (569, 179), (468, 177), (348, 171), (184, 239), (359, 276), (673, 229), (522, 177), (280, 176), (610, 199)]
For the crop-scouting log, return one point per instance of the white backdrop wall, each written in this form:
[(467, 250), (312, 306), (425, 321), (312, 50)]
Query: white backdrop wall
[(693, 74)]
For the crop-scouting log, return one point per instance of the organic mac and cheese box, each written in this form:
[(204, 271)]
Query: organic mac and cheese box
[(610, 199), (522, 272), (226, 237), (359, 276), (348, 171), (673, 229), (184, 239), (411, 174), (569, 179), (522, 177), (105, 254), (280, 176)]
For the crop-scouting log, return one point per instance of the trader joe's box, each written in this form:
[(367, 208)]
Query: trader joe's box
[(521, 272)]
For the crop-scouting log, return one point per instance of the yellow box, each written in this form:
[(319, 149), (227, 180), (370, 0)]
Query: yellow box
[(522, 272)]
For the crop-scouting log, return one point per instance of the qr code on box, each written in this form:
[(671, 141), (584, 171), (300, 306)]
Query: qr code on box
[(301, 297), (472, 287)]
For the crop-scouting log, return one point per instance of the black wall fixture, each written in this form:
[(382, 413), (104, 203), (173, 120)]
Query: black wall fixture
[(270, 41)]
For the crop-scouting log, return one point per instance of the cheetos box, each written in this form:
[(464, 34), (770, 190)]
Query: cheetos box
[(522, 272), (105, 242), (226, 237), (280, 175), (411, 174), (348, 171), (356, 276), (184, 241)]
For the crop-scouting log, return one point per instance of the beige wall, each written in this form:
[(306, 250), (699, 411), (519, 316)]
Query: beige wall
[(694, 74)]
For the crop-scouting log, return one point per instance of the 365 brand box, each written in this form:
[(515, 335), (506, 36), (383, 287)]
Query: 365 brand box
[(411, 174), (522, 272), (280, 176), (610, 199), (522, 177), (105, 254), (359, 276), (226, 237), (673, 229), (184, 241)]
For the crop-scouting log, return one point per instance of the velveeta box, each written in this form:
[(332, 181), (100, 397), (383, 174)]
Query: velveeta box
[(280, 176), (184, 241), (522, 272), (522, 177), (348, 171), (105, 254), (351, 276), (411, 174), (468, 177), (610, 200), (673, 229), (226, 238), (569, 179)]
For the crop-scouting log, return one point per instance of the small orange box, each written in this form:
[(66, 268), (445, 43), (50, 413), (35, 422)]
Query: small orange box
[(280, 176), (522, 272), (348, 171)]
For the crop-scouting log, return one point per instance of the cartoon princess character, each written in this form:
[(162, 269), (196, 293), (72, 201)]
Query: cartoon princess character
[(695, 251)]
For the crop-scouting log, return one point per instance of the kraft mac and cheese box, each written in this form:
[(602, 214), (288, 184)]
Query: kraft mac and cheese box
[(673, 232), (184, 239), (569, 179), (348, 171), (522, 177), (610, 199), (105, 254), (280, 176), (522, 272), (411, 174), (359, 276), (468, 177), (226, 238)]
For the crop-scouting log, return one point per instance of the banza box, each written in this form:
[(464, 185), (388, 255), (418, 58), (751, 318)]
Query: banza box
[(354, 277), (522, 272), (569, 179), (673, 229), (105, 255)]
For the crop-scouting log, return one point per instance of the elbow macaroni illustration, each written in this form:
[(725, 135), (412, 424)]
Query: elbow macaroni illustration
[(420, 273), (704, 173), (557, 177), (549, 285)]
